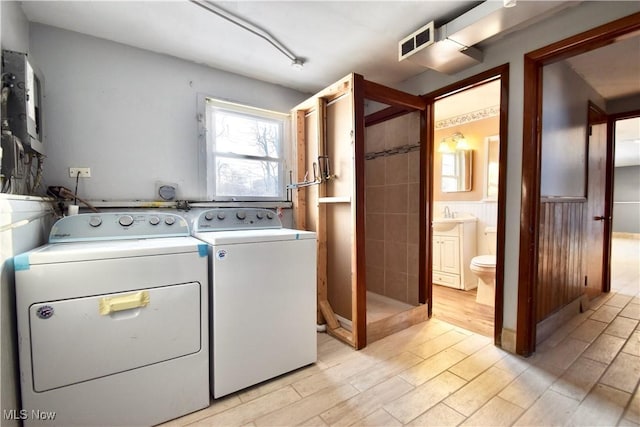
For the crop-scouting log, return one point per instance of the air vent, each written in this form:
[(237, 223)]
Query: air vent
[(416, 41)]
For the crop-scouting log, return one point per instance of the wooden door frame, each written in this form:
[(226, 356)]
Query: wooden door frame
[(426, 236), (531, 161)]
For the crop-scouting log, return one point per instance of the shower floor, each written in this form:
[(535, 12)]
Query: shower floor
[(381, 307)]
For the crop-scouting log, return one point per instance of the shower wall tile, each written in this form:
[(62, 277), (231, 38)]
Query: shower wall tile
[(414, 167), (395, 285), (413, 228), (374, 139), (375, 279), (375, 172), (396, 198), (374, 227), (395, 228), (414, 198), (397, 171), (413, 257), (395, 257), (412, 290), (374, 250), (375, 199), (392, 205)]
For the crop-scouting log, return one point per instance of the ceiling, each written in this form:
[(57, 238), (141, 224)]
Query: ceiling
[(333, 38)]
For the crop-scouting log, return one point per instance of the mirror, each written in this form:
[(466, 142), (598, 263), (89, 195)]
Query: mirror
[(491, 167), (457, 171)]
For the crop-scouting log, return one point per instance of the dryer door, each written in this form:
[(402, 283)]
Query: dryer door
[(80, 339)]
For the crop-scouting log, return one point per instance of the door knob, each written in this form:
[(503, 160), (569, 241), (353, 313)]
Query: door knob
[(599, 218)]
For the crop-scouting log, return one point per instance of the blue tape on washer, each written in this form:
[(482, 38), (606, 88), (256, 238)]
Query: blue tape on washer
[(297, 236), (203, 249), (21, 262)]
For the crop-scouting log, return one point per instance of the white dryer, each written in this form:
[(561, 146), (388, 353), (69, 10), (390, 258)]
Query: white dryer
[(113, 322), (263, 296)]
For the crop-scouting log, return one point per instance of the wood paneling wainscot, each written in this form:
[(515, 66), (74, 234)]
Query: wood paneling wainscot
[(560, 254)]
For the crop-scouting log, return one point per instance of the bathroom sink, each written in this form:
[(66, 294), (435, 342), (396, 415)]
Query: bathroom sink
[(446, 224)]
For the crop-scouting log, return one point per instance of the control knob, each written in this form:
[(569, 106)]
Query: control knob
[(221, 216), (169, 220), (260, 215), (208, 216), (241, 215), (125, 220), (95, 221), (270, 215), (154, 220)]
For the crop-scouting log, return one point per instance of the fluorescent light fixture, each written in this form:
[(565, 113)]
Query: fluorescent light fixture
[(509, 3)]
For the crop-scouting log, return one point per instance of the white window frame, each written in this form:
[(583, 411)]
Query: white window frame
[(206, 107)]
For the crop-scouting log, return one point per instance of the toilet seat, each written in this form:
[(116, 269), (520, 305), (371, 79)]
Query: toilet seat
[(484, 261)]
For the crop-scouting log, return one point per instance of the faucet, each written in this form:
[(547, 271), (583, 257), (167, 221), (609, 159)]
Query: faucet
[(447, 212)]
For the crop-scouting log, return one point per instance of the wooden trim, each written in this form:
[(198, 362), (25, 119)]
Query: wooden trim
[(359, 284), (328, 314), (395, 323), (586, 41), (468, 83), (425, 293), (300, 196), (335, 199), (386, 95), (529, 208), (531, 157), (498, 323), (329, 93), (384, 115)]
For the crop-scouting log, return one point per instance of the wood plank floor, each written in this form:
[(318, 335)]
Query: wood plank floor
[(436, 374), (461, 309)]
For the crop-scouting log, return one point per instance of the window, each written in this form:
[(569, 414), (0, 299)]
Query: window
[(246, 146)]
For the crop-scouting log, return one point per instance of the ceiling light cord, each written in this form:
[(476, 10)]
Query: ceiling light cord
[(242, 23)]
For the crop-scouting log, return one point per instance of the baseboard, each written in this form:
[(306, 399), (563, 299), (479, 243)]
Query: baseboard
[(546, 327), (621, 235), (508, 340), (344, 322)]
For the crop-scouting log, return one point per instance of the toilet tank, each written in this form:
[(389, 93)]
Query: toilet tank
[(489, 241)]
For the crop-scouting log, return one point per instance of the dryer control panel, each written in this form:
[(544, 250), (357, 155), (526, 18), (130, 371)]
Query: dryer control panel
[(222, 219), (118, 226)]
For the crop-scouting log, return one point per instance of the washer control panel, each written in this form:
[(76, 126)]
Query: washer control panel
[(118, 225), (221, 219)]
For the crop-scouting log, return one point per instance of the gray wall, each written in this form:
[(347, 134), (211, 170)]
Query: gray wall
[(511, 50), (131, 115), (626, 199), (565, 97)]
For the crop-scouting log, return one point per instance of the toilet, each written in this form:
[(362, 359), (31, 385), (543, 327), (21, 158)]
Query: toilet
[(484, 267)]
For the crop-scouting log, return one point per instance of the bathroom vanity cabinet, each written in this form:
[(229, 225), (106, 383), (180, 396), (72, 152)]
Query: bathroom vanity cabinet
[(454, 245)]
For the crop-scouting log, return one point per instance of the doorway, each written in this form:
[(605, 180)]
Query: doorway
[(532, 212), (625, 242), (464, 237), (464, 225)]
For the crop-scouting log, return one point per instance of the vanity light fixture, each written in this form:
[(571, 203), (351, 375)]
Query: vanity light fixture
[(458, 141)]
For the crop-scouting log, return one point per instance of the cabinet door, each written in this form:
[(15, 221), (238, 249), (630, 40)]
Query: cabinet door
[(435, 256), (449, 254)]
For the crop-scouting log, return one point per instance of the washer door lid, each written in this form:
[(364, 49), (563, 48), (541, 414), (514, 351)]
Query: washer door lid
[(82, 339)]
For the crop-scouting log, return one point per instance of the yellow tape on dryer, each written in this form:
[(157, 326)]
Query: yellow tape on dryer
[(110, 305)]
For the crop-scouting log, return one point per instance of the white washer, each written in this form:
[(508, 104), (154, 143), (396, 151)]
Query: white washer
[(113, 322), (263, 291)]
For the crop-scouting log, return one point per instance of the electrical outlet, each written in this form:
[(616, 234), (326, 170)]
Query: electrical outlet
[(84, 172)]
